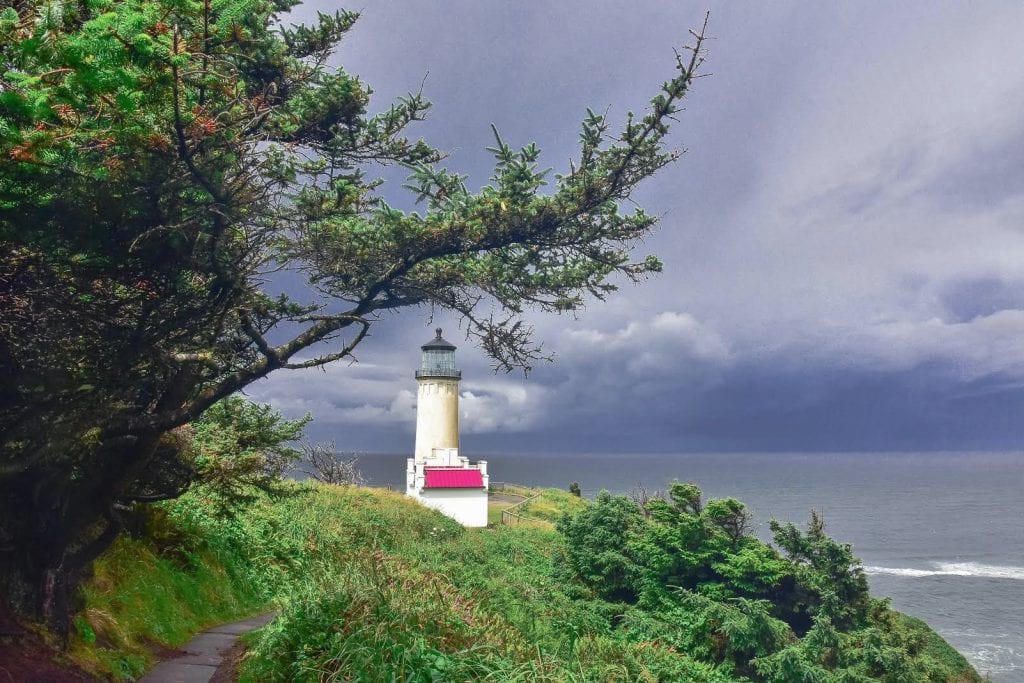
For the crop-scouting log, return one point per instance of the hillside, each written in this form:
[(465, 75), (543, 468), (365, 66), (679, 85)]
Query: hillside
[(371, 586)]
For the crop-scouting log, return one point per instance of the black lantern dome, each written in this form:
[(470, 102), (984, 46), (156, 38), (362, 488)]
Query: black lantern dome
[(438, 359)]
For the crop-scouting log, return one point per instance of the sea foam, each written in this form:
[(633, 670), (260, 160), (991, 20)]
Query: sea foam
[(975, 569)]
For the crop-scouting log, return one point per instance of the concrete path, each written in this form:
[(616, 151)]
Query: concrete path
[(201, 656), (509, 498)]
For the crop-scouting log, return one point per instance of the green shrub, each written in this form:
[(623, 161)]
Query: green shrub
[(688, 575), (372, 586)]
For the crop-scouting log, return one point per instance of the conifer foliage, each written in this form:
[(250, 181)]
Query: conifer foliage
[(690, 575), (159, 161)]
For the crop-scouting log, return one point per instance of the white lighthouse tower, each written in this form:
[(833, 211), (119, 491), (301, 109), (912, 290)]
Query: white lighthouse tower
[(437, 475), (437, 399)]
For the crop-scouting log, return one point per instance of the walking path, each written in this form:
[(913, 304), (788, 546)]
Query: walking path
[(201, 656), (510, 498)]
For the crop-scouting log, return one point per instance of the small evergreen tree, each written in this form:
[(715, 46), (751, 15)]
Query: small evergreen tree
[(241, 448), (597, 545), (832, 578)]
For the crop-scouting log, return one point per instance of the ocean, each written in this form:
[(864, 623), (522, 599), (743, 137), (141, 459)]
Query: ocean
[(941, 534)]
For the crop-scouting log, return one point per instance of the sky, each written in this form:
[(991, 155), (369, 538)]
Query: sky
[(843, 238)]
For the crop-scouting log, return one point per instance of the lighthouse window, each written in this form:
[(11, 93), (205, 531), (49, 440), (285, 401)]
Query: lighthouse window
[(439, 362)]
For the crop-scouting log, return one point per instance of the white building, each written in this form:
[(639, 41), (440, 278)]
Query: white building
[(437, 475)]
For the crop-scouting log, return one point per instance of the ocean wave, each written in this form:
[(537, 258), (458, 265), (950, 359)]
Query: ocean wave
[(974, 569)]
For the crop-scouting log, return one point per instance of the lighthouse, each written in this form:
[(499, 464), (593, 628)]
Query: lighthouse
[(437, 475), (437, 398)]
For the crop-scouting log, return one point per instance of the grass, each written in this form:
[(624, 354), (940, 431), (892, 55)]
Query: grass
[(138, 599), (496, 507), (367, 581), (551, 504), (440, 602), (539, 507), (189, 569), (372, 586), (494, 511)]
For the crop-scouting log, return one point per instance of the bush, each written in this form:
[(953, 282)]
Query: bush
[(372, 586)]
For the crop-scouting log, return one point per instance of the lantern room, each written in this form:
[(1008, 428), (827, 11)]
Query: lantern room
[(438, 359)]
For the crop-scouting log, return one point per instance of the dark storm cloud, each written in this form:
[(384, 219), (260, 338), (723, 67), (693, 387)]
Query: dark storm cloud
[(774, 408), (842, 240)]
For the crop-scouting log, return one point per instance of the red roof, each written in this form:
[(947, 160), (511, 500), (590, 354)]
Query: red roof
[(453, 478)]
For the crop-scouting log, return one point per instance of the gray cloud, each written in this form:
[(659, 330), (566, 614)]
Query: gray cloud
[(842, 240)]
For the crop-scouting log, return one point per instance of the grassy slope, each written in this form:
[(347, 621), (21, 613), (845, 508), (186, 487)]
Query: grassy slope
[(143, 599), (435, 601), (536, 508), (551, 504), (370, 583)]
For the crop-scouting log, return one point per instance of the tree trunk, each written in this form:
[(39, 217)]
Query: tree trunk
[(51, 529)]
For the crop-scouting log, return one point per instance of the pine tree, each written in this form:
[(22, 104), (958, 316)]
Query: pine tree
[(159, 160)]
